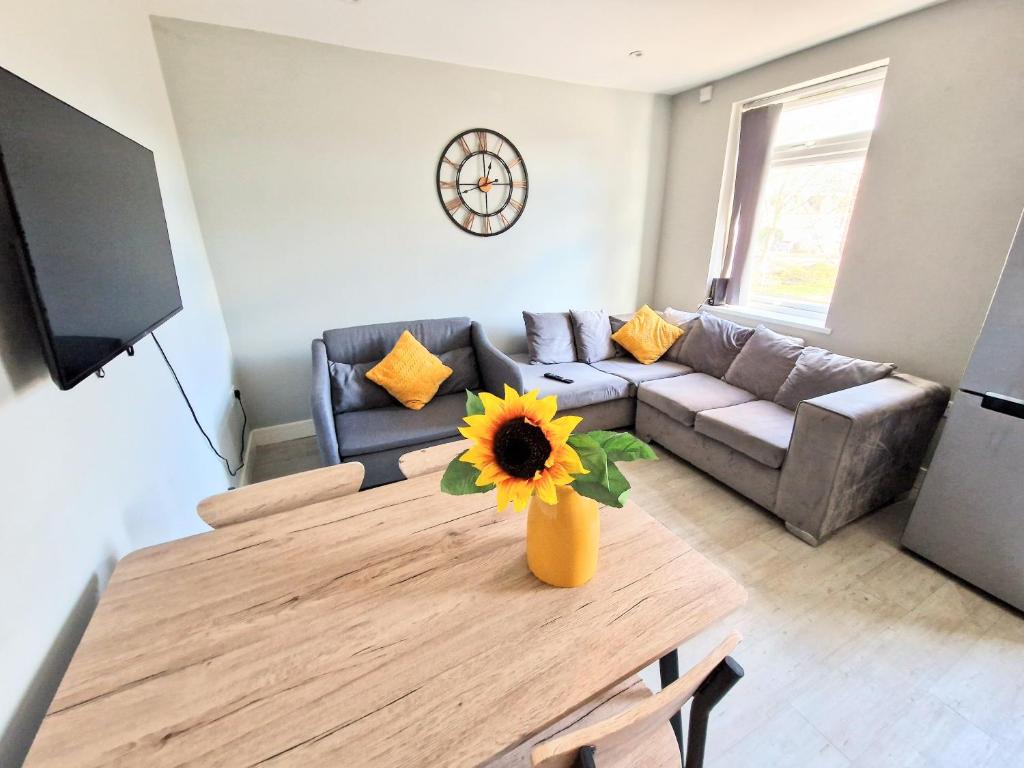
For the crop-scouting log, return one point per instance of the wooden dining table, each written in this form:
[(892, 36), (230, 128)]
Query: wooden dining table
[(393, 627)]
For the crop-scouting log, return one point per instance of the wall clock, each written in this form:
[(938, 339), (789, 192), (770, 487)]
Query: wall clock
[(482, 182)]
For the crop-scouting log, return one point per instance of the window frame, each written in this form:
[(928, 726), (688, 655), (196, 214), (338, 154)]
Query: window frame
[(837, 147)]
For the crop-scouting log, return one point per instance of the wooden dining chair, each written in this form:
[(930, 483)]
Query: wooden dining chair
[(432, 459), (281, 495), (641, 734)]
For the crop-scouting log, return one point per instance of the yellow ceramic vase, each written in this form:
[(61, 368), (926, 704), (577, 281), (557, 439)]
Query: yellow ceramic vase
[(562, 539)]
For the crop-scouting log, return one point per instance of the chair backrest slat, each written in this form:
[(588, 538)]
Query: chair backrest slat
[(281, 495), (621, 735), (433, 459)]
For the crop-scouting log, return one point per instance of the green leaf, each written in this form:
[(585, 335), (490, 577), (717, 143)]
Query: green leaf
[(474, 405), (620, 446), (613, 493), (460, 479), (592, 456)]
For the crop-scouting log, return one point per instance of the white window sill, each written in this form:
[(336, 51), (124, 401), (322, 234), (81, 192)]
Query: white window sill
[(768, 316)]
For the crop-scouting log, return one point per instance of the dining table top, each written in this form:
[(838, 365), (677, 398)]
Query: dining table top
[(392, 627)]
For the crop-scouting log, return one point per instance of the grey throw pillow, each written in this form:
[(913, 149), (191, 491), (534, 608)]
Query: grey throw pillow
[(684, 320), (592, 331), (819, 372), (352, 391), (549, 337), (712, 344), (765, 361)]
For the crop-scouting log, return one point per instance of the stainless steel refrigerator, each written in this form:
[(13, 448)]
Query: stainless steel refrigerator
[(969, 516)]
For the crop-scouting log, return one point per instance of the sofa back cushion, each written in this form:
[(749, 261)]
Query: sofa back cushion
[(549, 337), (820, 372), (765, 361), (712, 344), (592, 332), (352, 391), (354, 351)]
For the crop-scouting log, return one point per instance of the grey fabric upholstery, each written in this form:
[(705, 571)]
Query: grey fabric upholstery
[(760, 429), (751, 478), (589, 384), (636, 372), (380, 429), (764, 362), (322, 407), (855, 450), (819, 372), (611, 414), (496, 368), (366, 343), (382, 467), (352, 391), (683, 397), (549, 337), (592, 332), (712, 343)]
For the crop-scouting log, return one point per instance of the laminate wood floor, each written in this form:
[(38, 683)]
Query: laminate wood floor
[(857, 653)]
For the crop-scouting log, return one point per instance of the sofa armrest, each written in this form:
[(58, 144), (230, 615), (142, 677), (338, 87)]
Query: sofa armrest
[(322, 406), (496, 368), (855, 450)]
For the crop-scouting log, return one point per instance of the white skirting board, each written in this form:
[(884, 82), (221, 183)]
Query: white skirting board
[(279, 433)]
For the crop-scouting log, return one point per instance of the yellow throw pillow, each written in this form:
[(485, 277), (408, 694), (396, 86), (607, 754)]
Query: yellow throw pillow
[(410, 372), (646, 336)]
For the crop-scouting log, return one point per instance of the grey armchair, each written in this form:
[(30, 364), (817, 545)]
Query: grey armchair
[(357, 420)]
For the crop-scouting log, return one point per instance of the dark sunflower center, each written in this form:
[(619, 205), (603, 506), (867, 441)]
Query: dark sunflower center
[(521, 448)]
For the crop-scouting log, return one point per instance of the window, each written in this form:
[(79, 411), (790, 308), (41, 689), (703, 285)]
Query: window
[(799, 163)]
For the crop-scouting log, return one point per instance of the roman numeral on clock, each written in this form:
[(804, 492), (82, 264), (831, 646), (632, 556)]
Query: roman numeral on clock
[(464, 144), (517, 205), (468, 219), (481, 139), (485, 223), (519, 184), (454, 204)]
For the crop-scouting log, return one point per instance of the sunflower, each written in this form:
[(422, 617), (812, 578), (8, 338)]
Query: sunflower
[(520, 447)]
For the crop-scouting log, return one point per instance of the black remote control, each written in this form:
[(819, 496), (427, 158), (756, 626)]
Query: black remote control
[(556, 377)]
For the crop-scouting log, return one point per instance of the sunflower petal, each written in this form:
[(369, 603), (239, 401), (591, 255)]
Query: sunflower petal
[(545, 489)]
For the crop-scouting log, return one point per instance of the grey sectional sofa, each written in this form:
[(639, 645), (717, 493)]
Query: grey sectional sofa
[(818, 465), (357, 420)]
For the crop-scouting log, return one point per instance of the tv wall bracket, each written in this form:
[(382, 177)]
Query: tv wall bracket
[(101, 374)]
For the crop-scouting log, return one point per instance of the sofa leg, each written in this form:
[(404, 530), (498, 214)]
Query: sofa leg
[(803, 535)]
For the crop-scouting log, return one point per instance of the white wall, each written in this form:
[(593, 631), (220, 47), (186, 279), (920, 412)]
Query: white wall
[(313, 171), (941, 193), (112, 465)]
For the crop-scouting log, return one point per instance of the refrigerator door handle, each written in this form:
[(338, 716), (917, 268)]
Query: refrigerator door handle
[(1004, 404)]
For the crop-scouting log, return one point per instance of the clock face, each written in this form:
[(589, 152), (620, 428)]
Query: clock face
[(482, 182)]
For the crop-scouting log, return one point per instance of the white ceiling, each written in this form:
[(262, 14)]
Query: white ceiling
[(685, 42)]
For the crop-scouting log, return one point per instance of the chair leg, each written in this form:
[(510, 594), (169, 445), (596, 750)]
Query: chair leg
[(585, 757), (712, 690), (668, 666)]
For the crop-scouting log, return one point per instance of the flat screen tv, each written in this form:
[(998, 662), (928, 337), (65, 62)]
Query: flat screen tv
[(81, 205)]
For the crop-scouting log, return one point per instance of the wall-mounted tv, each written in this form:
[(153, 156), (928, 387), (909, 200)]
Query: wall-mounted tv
[(82, 207)]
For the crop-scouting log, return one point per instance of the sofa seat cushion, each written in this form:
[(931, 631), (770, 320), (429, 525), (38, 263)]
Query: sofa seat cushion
[(683, 397), (760, 429), (380, 429), (636, 373), (589, 385)]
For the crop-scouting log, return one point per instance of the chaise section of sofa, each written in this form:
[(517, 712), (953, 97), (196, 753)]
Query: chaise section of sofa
[(818, 465)]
